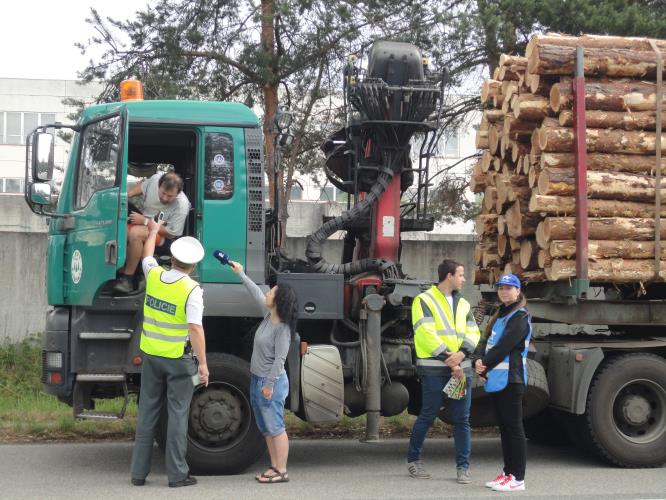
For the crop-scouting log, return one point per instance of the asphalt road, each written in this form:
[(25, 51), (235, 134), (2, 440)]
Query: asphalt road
[(319, 469)]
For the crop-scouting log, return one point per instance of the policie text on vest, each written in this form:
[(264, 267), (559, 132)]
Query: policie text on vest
[(160, 305)]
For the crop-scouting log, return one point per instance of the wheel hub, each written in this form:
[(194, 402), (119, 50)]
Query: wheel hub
[(639, 411), (635, 410), (215, 415)]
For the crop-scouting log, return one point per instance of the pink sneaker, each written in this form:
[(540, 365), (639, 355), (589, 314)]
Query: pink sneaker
[(500, 477), (510, 484)]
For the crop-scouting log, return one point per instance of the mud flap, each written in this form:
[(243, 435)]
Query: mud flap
[(322, 384), (294, 373)]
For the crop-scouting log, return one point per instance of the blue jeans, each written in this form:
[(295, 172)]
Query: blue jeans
[(269, 413), (431, 389)]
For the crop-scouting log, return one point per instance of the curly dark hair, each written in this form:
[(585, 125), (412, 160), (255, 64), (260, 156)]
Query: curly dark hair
[(286, 305)]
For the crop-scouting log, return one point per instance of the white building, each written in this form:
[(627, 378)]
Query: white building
[(24, 105)]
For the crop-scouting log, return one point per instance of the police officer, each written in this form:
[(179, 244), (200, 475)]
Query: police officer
[(445, 335), (504, 364), (172, 312)]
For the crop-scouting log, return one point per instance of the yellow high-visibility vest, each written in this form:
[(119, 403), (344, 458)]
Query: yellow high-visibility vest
[(165, 329), (442, 331)]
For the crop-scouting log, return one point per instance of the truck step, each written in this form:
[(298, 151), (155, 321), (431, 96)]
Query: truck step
[(100, 377), (98, 415), (83, 402), (120, 335)]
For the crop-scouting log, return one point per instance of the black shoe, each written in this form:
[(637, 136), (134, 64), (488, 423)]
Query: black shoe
[(123, 285), (138, 482), (188, 481), (141, 286)]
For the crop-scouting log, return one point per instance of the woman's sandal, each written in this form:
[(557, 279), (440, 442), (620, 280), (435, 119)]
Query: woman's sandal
[(265, 474), (278, 477)]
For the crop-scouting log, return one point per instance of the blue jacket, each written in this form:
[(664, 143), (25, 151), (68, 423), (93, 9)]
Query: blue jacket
[(511, 346)]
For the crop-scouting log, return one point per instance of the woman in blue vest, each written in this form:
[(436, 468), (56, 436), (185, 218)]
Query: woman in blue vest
[(503, 364)]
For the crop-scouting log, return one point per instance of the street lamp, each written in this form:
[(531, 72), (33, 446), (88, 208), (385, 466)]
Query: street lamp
[(283, 137), (281, 123), (282, 120)]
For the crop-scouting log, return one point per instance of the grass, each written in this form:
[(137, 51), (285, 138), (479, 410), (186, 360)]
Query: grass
[(28, 414)]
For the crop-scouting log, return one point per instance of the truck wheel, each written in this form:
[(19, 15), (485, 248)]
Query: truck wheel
[(626, 411), (223, 437)]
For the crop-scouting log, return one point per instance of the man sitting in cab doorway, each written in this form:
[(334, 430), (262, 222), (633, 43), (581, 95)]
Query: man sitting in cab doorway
[(162, 192)]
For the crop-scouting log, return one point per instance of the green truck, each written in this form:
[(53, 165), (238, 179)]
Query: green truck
[(356, 351)]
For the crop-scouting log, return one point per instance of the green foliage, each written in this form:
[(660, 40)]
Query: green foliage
[(642, 18), (28, 413), (20, 367)]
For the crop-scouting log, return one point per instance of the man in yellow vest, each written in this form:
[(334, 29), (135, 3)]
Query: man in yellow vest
[(445, 336), (172, 315)]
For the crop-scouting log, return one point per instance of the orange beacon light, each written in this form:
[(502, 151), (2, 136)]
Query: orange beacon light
[(131, 90)]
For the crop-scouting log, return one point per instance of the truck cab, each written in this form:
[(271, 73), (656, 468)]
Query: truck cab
[(91, 343)]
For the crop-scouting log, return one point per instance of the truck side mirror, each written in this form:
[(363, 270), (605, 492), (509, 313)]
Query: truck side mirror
[(40, 193), (42, 156)]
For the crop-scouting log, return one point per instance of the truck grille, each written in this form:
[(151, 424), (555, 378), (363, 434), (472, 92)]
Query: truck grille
[(255, 194)]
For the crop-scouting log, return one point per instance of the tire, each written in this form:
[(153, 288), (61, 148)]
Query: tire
[(223, 437), (625, 416), (482, 411)]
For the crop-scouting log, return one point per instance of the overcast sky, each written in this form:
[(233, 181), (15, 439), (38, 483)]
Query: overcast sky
[(37, 36)]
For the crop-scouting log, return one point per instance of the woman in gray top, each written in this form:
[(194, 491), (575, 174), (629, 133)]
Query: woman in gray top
[(269, 385)]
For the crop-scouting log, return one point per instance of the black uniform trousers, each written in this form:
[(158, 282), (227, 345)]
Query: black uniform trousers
[(164, 381), (509, 410)]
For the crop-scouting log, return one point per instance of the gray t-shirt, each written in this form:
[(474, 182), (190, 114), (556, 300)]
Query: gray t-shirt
[(271, 341), (175, 212)]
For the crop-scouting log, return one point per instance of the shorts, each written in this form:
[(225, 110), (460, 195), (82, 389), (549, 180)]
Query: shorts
[(269, 413)]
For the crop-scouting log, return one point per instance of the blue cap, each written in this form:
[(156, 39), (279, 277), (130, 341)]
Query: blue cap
[(508, 279)]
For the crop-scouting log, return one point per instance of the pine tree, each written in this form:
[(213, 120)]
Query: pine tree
[(274, 53)]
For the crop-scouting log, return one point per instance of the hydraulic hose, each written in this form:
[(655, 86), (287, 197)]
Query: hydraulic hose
[(313, 250)]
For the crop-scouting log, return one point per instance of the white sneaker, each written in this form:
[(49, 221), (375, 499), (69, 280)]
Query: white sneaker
[(500, 477), (510, 484)]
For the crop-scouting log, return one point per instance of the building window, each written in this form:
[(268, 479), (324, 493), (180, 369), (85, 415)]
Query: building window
[(327, 193), (15, 126), (11, 185), (296, 192), (450, 144), (30, 122)]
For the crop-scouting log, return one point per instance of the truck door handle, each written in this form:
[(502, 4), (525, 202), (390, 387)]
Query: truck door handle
[(111, 252)]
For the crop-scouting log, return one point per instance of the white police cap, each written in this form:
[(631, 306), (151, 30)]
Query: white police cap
[(187, 250)]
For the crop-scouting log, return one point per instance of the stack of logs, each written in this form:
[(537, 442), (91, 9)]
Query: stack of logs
[(527, 168)]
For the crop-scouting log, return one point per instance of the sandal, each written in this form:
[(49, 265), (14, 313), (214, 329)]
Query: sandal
[(279, 477), (265, 475)]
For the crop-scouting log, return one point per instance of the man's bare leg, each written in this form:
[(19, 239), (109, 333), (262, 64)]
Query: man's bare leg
[(135, 239)]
